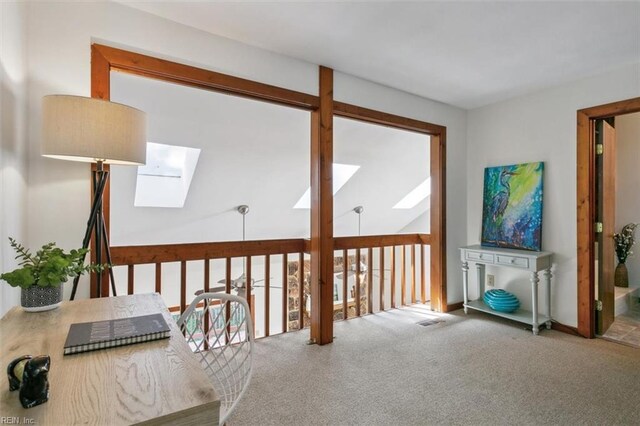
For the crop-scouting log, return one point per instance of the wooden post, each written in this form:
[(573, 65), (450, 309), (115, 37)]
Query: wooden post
[(322, 212), (438, 223)]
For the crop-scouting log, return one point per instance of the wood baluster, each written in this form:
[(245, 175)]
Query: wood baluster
[(423, 286), (247, 283), (381, 268), (248, 295), (301, 304), (285, 294), (227, 272), (227, 306), (345, 284), (370, 280), (205, 308), (158, 277), (403, 276), (267, 293), (393, 276), (413, 273), (207, 275), (130, 279), (183, 286), (357, 283)]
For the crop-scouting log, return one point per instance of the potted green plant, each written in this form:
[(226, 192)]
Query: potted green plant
[(623, 242), (41, 275)]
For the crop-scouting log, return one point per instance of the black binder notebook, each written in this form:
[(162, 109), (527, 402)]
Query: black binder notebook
[(91, 336)]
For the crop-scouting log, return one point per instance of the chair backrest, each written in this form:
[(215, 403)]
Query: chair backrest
[(219, 329)]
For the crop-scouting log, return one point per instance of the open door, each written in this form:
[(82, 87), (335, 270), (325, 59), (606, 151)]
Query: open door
[(606, 173)]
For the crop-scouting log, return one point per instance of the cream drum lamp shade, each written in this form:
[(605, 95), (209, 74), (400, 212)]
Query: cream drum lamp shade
[(77, 128)]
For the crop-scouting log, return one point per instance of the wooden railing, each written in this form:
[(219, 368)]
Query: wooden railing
[(355, 253), (355, 270), (132, 256)]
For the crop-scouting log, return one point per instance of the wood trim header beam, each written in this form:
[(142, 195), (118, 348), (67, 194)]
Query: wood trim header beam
[(162, 69), (354, 112)]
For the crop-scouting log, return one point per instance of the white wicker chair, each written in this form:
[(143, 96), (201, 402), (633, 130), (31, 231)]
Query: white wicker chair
[(219, 330)]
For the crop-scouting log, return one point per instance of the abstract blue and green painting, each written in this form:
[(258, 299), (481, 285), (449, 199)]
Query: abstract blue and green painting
[(512, 206)]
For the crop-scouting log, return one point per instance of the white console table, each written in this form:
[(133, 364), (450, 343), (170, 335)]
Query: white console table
[(531, 261)]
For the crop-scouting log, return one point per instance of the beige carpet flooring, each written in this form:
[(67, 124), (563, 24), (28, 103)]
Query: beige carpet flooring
[(383, 369)]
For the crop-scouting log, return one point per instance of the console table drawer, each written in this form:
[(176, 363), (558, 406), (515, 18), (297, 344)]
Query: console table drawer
[(479, 256), (518, 262)]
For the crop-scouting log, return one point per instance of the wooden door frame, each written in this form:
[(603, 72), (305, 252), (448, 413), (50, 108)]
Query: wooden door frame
[(586, 203), (105, 59)]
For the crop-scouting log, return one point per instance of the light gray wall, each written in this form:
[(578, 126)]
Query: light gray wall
[(13, 164), (628, 185), (60, 35), (541, 127)]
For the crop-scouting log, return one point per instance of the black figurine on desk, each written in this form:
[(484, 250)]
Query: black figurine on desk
[(30, 375)]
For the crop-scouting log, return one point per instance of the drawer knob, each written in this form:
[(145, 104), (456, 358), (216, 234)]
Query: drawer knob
[(512, 261)]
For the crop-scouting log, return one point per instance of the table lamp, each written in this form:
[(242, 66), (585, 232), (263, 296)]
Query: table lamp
[(92, 130)]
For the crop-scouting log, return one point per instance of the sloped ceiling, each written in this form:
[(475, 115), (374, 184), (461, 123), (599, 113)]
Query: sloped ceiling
[(257, 154), (466, 54)]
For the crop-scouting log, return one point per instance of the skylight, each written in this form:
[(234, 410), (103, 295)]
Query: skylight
[(418, 194), (165, 180), (341, 174)]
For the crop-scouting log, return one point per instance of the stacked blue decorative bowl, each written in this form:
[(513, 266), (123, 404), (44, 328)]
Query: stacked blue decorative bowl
[(501, 301)]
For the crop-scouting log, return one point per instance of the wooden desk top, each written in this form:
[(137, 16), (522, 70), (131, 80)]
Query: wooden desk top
[(153, 382)]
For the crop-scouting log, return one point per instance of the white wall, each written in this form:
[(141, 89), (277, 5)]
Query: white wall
[(60, 35), (421, 224), (628, 185), (541, 127), (13, 165)]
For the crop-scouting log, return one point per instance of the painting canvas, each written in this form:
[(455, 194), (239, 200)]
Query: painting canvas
[(512, 206)]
